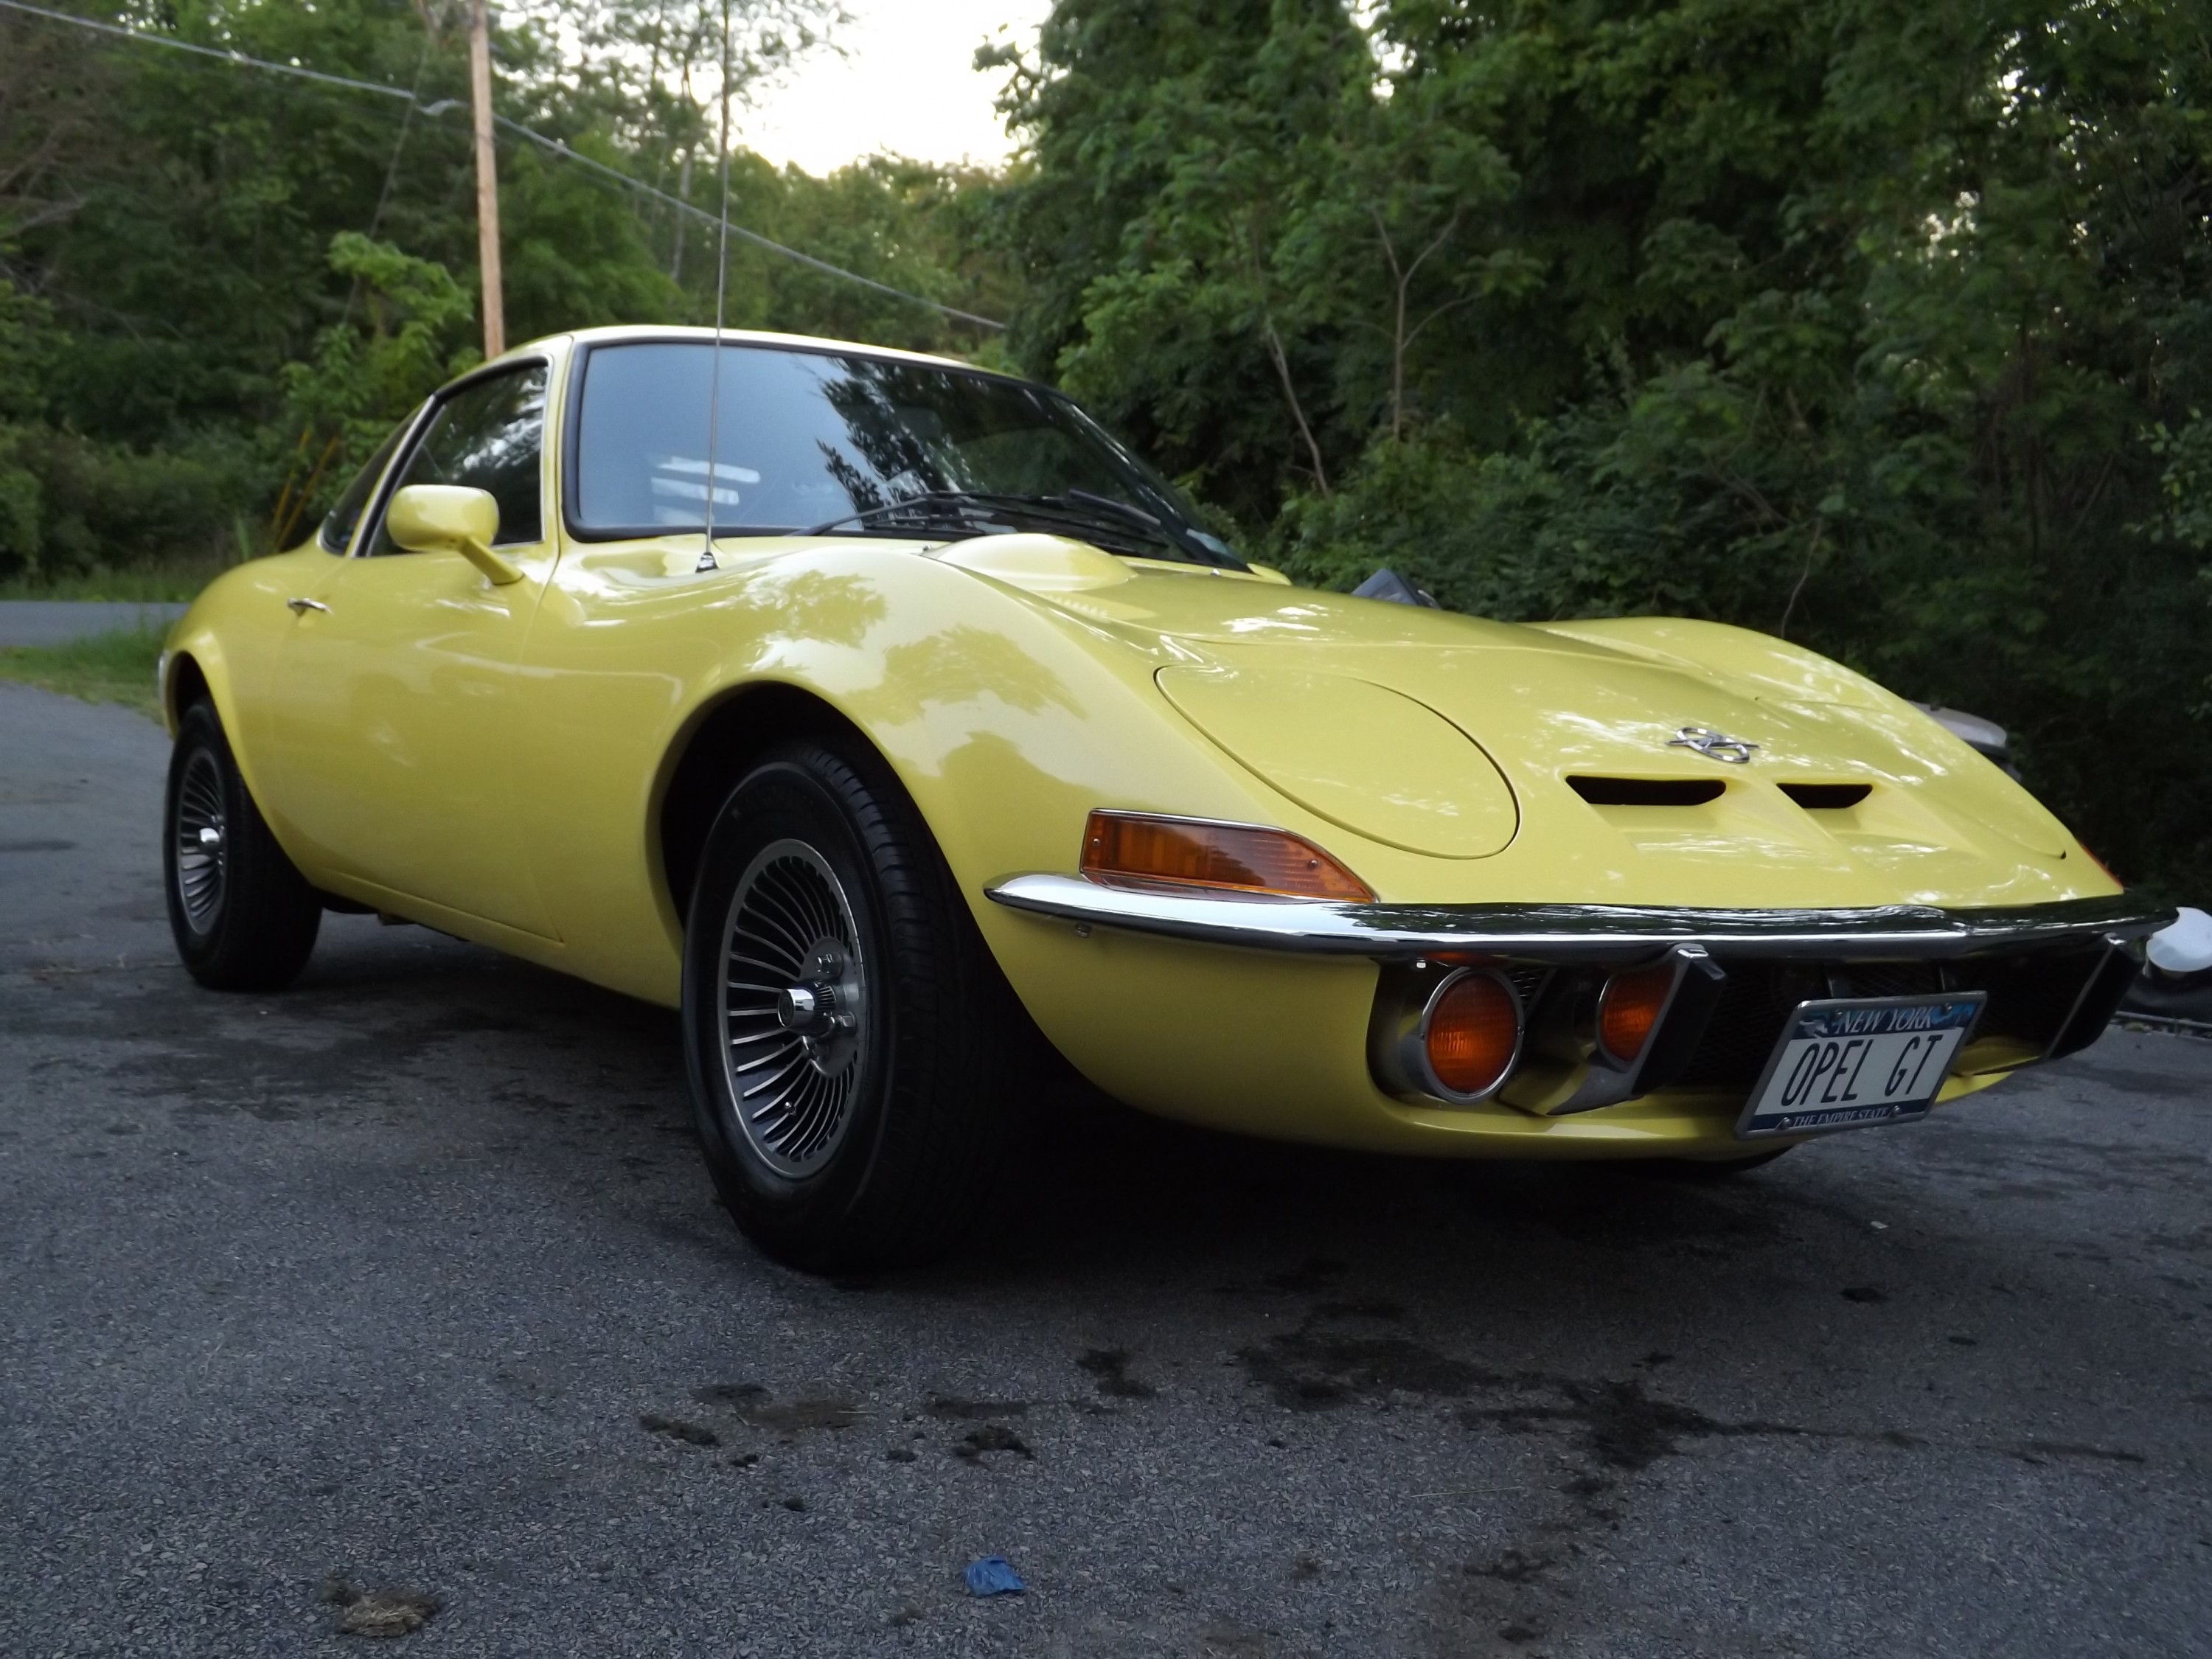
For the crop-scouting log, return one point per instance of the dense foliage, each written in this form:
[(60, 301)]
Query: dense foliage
[(1884, 325), (221, 286)]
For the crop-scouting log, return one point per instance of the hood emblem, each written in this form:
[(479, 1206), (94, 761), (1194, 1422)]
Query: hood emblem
[(1711, 744)]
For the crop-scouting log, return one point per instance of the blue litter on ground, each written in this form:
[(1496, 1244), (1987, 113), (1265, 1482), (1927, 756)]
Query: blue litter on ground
[(993, 1576)]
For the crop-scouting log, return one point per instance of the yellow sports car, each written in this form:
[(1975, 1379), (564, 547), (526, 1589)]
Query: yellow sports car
[(884, 714)]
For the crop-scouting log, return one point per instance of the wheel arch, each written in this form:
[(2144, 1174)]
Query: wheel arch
[(184, 684), (709, 756), (195, 669)]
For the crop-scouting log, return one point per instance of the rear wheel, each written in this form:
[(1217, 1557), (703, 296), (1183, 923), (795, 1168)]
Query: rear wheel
[(243, 916), (856, 1058)]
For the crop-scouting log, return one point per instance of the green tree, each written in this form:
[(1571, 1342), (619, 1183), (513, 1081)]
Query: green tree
[(414, 331), (1860, 321), (219, 286)]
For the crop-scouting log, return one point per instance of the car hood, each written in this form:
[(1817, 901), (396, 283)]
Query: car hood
[(1587, 746)]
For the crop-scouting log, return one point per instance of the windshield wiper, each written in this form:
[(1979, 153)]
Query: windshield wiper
[(1085, 507), (963, 503), (1078, 508), (1123, 509), (1098, 517)]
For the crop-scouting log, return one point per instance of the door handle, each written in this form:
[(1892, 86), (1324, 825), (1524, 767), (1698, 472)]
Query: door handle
[(301, 607)]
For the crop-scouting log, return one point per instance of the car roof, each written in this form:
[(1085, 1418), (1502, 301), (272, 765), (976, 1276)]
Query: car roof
[(618, 333)]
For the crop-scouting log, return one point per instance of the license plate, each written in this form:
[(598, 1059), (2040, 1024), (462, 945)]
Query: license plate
[(1850, 1063)]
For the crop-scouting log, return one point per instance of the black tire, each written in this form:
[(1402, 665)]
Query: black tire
[(243, 916), (875, 1142)]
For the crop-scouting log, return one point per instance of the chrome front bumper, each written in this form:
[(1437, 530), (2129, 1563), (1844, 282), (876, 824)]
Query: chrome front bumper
[(1571, 934), (2060, 968)]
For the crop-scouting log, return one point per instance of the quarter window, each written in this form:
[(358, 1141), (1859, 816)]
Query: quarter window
[(336, 533), (489, 435)]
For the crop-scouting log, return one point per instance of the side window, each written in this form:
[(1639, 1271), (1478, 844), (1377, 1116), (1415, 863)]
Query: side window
[(489, 435), (336, 533)]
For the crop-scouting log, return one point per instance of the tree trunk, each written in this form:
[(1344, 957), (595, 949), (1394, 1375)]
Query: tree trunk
[(684, 195), (1297, 409)]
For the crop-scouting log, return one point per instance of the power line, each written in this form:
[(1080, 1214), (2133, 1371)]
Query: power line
[(753, 236), (217, 52), (554, 146)]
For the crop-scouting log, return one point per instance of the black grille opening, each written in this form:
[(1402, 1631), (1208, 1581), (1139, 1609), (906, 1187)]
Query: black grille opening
[(1528, 978), (1757, 1000), (2029, 998), (1826, 797), (1646, 792)]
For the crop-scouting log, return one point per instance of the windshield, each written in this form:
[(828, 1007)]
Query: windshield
[(843, 444)]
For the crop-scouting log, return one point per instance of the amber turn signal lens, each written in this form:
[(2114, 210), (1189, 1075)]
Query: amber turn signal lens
[(1629, 1007), (1123, 847), (1474, 1033)]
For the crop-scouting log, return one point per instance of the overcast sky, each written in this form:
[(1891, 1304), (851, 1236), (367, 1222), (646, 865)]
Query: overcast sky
[(905, 84)]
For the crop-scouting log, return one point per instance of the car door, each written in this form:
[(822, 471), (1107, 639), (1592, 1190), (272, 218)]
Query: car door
[(397, 715)]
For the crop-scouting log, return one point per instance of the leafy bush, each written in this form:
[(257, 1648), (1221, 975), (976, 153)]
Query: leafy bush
[(69, 504)]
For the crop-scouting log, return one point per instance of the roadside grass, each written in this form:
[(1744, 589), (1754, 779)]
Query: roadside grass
[(146, 584), (103, 668)]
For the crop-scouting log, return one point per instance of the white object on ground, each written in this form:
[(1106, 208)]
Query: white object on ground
[(2186, 946)]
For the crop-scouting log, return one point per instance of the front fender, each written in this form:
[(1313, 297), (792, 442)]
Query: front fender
[(1007, 721), (229, 645)]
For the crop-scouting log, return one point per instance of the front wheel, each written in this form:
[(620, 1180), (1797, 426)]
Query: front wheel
[(243, 916), (855, 1056)]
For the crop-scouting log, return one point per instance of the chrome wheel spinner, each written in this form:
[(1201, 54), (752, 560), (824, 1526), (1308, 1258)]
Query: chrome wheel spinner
[(794, 1007), (201, 845)]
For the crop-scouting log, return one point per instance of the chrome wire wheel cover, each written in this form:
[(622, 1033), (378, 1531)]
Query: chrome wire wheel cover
[(202, 840), (794, 1007)]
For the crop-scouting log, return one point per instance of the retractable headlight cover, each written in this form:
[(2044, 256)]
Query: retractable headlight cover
[(1359, 755)]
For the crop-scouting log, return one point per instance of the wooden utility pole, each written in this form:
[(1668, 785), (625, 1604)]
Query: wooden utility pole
[(495, 305)]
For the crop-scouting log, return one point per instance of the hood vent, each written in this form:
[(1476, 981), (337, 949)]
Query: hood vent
[(1826, 797), (1647, 792)]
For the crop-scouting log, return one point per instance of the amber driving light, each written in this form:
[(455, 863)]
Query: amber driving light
[(1628, 1007), (1124, 847), (1472, 1033)]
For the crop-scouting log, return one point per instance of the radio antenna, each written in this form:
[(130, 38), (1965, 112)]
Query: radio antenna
[(722, 287)]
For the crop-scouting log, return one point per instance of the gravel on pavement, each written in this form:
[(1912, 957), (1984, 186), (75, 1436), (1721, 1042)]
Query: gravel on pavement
[(399, 1304)]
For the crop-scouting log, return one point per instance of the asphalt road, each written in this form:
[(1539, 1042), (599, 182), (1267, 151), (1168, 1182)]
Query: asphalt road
[(410, 1276)]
